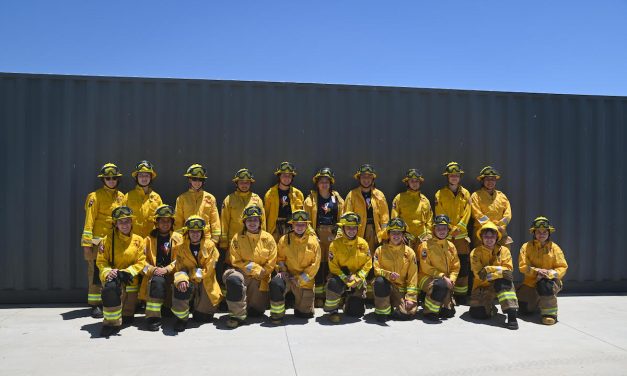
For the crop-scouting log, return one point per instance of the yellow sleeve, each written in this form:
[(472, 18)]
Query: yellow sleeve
[(311, 270), (263, 214), (102, 260), (180, 275), (235, 255), (475, 262), (455, 266), (384, 213), (412, 278), (426, 265), (439, 209), (270, 263), (395, 208), (340, 205), (348, 203), (281, 259), (214, 219), (465, 216), (309, 207), (91, 211), (560, 266), (365, 267), (506, 259), (378, 271), (148, 267), (334, 267), (428, 218), (507, 214), (524, 266), (477, 214), (226, 223), (209, 263), (138, 265), (179, 218)]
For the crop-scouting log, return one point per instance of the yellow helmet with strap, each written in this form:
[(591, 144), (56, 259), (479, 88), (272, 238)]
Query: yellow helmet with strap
[(109, 170), (324, 172), (121, 212), (453, 168), (285, 168), (349, 219), (251, 211), (194, 222), (196, 171), (243, 174), (396, 224), (365, 169), (144, 166), (487, 227), (164, 211), (541, 222), (413, 173), (488, 171)]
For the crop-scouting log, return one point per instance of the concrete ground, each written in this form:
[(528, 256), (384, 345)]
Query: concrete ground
[(590, 339)]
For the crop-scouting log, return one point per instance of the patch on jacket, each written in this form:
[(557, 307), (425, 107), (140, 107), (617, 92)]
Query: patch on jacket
[(330, 256), (424, 254), (91, 202)]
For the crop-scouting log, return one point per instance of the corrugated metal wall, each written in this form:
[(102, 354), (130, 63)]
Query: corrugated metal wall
[(560, 155)]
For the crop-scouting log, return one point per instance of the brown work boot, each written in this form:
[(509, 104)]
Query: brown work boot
[(549, 320), (335, 317)]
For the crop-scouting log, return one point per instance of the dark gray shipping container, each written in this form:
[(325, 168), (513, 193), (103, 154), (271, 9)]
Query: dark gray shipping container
[(560, 156)]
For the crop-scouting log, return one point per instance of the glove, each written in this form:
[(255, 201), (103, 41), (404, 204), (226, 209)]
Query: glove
[(125, 277), (508, 275)]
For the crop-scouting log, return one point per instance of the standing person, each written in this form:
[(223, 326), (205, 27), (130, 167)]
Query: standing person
[(324, 206), (198, 202), (492, 267), (121, 260), (253, 254), (414, 208), (195, 275), (156, 286), (349, 264), (281, 200), (453, 200), (490, 205), (542, 263), (298, 260), (98, 208), (439, 268), (396, 275), (143, 200)]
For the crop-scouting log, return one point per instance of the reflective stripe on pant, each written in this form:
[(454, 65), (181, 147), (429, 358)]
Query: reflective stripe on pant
[(333, 299), (383, 305), (326, 236), (93, 289), (484, 297), (461, 284), (303, 301), (251, 296), (113, 315), (547, 304), (432, 305), (202, 303), (153, 305)]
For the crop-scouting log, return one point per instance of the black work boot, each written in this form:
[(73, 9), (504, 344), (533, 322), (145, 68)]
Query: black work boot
[(461, 299), (180, 325), (512, 323), (154, 323), (446, 313), (381, 318), (303, 315), (96, 312), (202, 317), (431, 317), (127, 320), (107, 331)]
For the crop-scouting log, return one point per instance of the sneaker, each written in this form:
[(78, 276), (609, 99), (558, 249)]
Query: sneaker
[(153, 323), (108, 330), (96, 312), (549, 320), (180, 325)]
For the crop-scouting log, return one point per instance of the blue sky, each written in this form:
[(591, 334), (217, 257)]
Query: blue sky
[(575, 47)]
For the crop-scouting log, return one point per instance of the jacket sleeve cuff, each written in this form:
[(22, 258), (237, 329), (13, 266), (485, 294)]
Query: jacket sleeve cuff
[(180, 277)]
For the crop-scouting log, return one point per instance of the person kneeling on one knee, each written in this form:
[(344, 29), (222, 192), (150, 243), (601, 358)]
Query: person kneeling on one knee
[(439, 268), (298, 261), (542, 263), (349, 264), (396, 275), (195, 275), (491, 264)]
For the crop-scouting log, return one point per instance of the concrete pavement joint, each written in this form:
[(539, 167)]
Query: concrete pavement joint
[(593, 336), (290, 348)]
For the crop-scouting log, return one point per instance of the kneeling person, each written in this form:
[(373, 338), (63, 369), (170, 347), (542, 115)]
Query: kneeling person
[(543, 264), (396, 275), (121, 259), (253, 255), (298, 261), (195, 274), (439, 268), (349, 264), (491, 264)]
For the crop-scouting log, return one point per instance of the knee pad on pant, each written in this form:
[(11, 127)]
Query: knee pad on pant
[(439, 290), (234, 289), (355, 306), (382, 287), (183, 295), (111, 293), (336, 285), (277, 289), (478, 313), (157, 287), (464, 261), (503, 284), (544, 287)]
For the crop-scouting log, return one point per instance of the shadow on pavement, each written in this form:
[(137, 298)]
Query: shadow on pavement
[(498, 320), (76, 314)]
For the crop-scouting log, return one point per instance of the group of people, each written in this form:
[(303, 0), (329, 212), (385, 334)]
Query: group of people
[(328, 251)]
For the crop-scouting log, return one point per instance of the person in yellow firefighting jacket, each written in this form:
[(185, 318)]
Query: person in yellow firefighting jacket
[(542, 263), (232, 209), (349, 264), (439, 268), (121, 260), (159, 270), (414, 208), (454, 201), (253, 254), (198, 202), (396, 275), (298, 260), (195, 274), (281, 200), (492, 267), (324, 206), (490, 205), (371, 206), (98, 208), (143, 200)]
